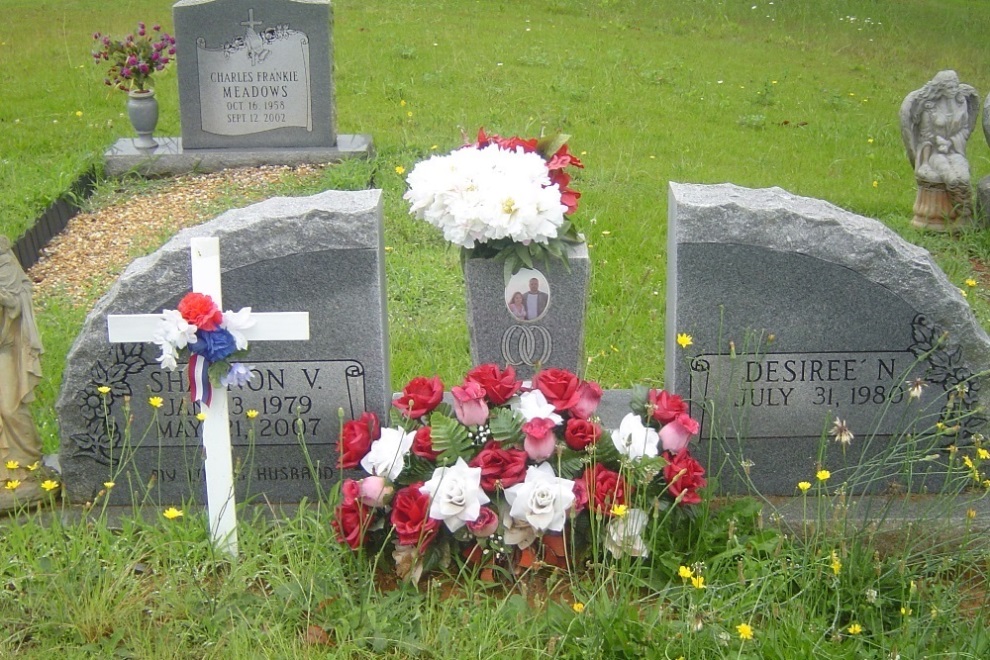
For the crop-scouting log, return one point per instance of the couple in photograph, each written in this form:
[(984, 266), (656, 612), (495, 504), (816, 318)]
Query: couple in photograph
[(529, 306)]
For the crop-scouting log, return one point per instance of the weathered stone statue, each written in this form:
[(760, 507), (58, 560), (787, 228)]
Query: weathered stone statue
[(20, 371), (936, 122), (983, 187)]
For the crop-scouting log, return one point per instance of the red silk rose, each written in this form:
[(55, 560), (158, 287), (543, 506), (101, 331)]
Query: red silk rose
[(684, 475), (356, 437), (420, 396), (559, 386), (350, 490), (605, 488), (352, 518), (200, 310), (423, 444), (500, 386), (666, 407), (469, 403), (410, 517), (580, 433), (498, 465), (580, 491)]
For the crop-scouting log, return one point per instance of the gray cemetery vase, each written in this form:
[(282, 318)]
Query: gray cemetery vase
[(802, 313), (322, 255), (142, 110), (544, 329)]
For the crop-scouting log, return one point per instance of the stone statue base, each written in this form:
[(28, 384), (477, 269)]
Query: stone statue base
[(935, 209)]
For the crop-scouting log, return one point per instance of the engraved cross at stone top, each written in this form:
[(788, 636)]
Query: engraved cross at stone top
[(250, 22), (283, 326)]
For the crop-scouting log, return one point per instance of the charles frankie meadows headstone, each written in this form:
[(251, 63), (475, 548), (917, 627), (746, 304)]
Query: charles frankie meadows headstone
[(255, 73), (802, 314), (321, 255)]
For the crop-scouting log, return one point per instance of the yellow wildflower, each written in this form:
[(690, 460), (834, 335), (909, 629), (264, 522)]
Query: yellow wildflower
[(745, 631), (172, 513), (970, 281), (803, 486), (109, 484), (698, 582), (876, 184), (34, 466), (49, 484), (983, 453), (854, 629), (79, 113), (12, 465), (12, 484), (970, 513), (620, 510), (684, 339), (578, 607), (252, 413), (823, 475), (836, 563), (685, 572), (906, 611), (400, 170), (156, 401), (103, 389), (201, 416)]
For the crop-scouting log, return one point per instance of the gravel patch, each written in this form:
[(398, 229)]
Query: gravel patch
[(83, 261)]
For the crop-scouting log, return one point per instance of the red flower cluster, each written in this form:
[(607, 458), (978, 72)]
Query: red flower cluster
[(198, 309), (556, 162)]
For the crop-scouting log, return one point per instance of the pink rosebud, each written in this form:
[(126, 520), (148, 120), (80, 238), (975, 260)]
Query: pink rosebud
[(540, 441), (469, 403), (688, 423), (674, 436), (375, 491), (589, 396), (485, 524), (349, 490)]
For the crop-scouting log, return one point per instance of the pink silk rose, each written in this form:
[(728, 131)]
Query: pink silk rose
[(589, 396), (469, 403), (676, 435), (375, 492), (540, 441), (485, 524)]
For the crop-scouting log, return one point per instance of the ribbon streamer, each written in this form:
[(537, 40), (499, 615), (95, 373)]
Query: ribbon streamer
[(200, 389)]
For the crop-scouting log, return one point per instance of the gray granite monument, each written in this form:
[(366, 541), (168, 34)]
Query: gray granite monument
[(936, 122), (536, 318), (322, 255), (807, 321), (255, 87)]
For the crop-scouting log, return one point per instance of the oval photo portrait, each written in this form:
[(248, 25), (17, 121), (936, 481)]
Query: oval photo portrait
[(527, 296)]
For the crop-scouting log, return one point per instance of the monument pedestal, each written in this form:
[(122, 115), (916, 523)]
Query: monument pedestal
[(169, 158)]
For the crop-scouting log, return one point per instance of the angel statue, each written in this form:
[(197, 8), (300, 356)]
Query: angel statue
[(936, 122), (20, 371), (983, 187)]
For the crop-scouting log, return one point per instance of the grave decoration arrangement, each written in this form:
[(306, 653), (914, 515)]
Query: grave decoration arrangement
[(502, 198), (135, 59), (514, 473), (210, 338)]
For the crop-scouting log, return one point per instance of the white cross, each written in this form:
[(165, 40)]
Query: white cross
[(283, 326)]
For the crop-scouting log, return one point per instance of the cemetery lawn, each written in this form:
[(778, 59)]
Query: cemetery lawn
[(798, 95)]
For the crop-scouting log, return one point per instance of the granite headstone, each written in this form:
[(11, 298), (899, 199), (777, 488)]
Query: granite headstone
[(543, 327), (321, 254), (255, 73), (802, 314)]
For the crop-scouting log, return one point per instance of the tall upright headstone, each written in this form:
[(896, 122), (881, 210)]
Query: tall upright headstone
[(802, 315), (322, 255)]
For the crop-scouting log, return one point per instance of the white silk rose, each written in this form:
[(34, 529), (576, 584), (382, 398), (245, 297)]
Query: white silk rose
[(388, 454), (455, 494), (542, 500), (634, 439), (624, 535)]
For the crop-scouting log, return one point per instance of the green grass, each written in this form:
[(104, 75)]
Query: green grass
[(790, 94)]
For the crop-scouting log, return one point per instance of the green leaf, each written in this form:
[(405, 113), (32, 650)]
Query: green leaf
[(571, 463), (639, 399), (522, 253), (505, 425), (449, 438), (216, 371)]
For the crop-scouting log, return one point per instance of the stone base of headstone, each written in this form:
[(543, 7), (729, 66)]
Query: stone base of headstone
[(169, 158), (554, 338), (983, 202)]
